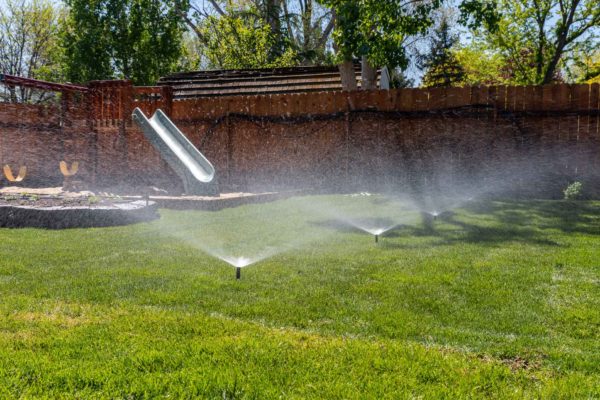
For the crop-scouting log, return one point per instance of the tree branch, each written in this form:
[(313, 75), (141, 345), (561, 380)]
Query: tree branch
[(328, 29), (217, 7)]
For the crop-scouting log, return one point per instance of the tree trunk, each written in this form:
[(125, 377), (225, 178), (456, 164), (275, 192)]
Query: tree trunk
[(348, 76), (369, 75), (272, 13), (12, 94)]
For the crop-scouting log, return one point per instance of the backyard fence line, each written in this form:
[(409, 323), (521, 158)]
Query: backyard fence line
[(306, 139), (114, 101)]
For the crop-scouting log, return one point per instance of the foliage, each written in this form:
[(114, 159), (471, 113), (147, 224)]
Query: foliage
[(308, 26), (587, 67), (93, 200), (538, 38), (241, 40), (574, 191), (399, 79), (29, 44), (377, 29), (191, 53), (481, 65), (279, 32), (487, 307), (138, 40), (441, 65)]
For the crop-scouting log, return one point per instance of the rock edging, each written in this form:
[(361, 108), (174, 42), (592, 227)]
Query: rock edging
[(15, 216)]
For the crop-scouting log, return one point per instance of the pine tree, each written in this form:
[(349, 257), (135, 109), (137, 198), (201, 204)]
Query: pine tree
[(442, 67)]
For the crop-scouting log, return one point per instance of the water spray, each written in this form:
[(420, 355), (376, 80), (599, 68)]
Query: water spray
[(239, 263), (377, 233)]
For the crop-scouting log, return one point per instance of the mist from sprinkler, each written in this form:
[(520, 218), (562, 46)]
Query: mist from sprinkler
[(238, 263), (376, 232), (435, 213)]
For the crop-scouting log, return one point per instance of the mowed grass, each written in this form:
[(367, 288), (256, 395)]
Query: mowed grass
[(496, 300)]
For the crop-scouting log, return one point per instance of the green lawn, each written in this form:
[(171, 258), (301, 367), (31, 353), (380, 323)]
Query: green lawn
[(496, 300)]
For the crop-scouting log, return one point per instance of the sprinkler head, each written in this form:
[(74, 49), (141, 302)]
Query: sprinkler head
[(238, 273), (376, 238)]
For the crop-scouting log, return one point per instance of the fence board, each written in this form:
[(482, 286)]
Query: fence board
[(511, 98), (420, 100), (317, 103), (580, 97), (547, 97), (595, 105), (405, 99), (498, 98), (482, 96), (580, 101), (436, 98)]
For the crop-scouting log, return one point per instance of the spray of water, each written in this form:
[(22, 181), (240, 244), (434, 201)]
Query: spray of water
[(242, 237), (374, 214), (238, 262)]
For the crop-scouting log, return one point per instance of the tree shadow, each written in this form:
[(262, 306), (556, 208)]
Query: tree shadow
[(564, 216), (473, 233), (491, 223), (356, 224)]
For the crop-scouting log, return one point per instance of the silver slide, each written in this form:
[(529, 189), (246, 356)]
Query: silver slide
[(196, 172)]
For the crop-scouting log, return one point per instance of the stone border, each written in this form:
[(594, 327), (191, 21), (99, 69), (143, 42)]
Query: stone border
[(77, 217)]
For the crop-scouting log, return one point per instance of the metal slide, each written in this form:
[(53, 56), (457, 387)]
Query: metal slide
[(196, 172)]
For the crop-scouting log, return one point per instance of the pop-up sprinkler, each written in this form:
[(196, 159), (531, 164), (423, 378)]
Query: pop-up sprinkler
[(376, 233), (240, 263)]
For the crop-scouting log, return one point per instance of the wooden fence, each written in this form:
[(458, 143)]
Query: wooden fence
[(319, 139)]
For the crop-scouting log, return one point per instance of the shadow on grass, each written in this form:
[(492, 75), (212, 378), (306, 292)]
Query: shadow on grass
[(501, 221), (506, 232), (355, 225), (565, 216)]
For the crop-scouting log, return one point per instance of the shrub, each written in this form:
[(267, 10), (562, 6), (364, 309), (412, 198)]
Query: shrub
[(573, 191)]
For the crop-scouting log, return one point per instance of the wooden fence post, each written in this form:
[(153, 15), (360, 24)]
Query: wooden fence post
[(167, 96)]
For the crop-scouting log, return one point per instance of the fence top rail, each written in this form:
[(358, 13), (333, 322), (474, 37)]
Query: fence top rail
[(38, 84)]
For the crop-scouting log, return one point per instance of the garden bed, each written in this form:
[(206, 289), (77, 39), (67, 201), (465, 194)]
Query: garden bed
[(71, 210)]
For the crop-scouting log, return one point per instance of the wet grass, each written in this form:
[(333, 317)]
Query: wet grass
[(497, 299)]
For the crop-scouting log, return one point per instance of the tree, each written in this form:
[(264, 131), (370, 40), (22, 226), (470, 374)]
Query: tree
[(308, 26), (538, 38), (443, 69), (29, 44), (241, 40), (587, 68), (286, 32), (376, 30), (482, 66), (139, 40)]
